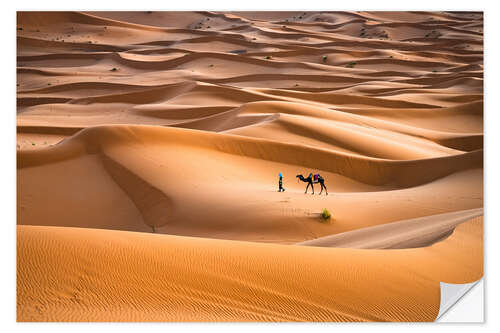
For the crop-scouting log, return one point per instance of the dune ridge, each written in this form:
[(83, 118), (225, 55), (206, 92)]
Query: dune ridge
[(420, 232), (365, 169)]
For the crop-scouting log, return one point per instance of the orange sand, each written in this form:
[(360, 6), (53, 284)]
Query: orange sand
[(185, 139)]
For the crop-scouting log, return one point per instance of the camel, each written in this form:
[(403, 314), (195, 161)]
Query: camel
[(309, 181)]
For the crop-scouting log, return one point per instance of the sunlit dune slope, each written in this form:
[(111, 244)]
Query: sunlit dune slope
[(168, 180), (71, 274)]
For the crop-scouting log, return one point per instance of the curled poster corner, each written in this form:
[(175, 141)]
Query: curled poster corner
[(451, 293)]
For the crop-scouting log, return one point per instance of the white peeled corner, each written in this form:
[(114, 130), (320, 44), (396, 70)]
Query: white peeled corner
[(451, 293)]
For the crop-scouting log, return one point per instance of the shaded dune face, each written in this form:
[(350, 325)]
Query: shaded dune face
[(155, 207), (178, 123)]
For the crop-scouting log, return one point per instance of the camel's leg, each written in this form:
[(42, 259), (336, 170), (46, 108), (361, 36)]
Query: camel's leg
[(325, 188), (307, 188), (312, 186)]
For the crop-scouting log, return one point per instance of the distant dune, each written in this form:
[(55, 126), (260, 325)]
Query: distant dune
[(149, 146)]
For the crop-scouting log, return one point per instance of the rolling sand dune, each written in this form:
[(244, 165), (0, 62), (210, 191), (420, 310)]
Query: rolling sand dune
[(418, 232), (101, 275), (149, 146)]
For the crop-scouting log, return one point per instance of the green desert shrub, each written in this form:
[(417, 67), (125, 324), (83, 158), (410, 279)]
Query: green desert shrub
[(325, 215)]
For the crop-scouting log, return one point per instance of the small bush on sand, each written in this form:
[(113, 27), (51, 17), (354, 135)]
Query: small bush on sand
[(325, 215), (114, 69), (351, 64), (269, 57), (324, 58)]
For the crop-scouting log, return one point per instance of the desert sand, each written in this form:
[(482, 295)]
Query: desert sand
[(149, 146)]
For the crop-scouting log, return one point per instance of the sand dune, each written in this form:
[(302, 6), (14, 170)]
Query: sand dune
[(419, 232), (100, 275), (157, 161), (149, 144)]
